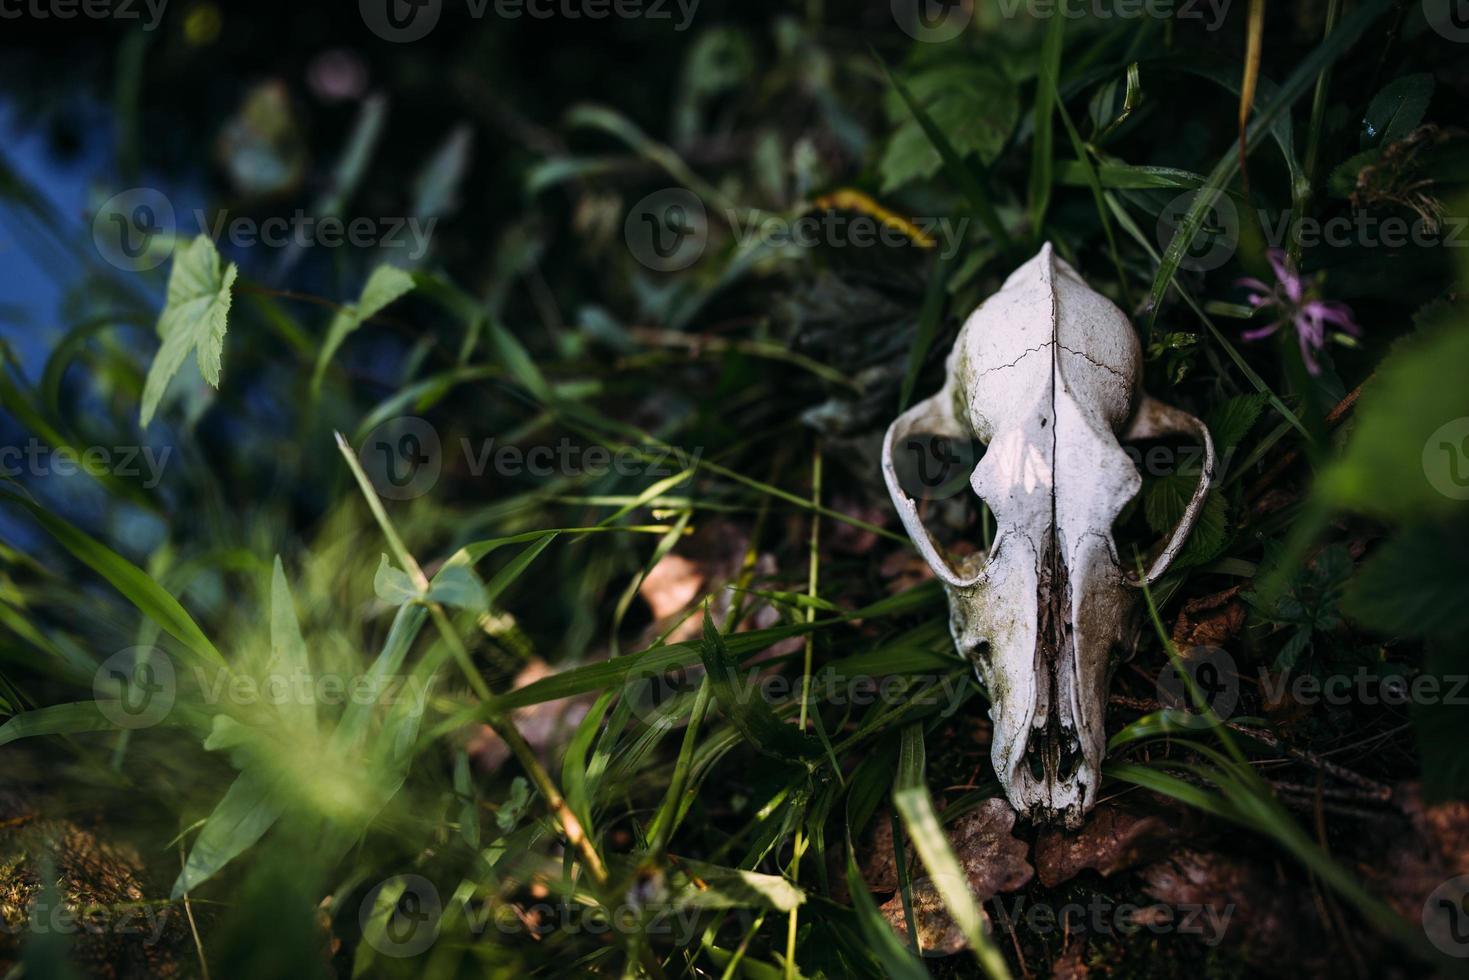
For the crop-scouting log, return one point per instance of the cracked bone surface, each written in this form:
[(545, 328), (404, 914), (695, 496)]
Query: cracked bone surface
[(1046, 373)]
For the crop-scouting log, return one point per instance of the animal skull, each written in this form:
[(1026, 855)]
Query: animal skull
[(1046, 372)]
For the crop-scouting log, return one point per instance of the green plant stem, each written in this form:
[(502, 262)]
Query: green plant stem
[(499, 721), (1313, 140)]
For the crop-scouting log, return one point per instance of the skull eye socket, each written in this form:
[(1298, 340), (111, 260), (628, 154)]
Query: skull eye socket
[(1171, 468), (935, 472)]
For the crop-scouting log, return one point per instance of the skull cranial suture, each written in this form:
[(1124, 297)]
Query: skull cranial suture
[(1047, 373)]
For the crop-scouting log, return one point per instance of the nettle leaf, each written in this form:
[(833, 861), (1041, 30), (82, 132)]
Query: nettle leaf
[(1397, 110), (1164, 500), (1232, 420), (976, 108), (386, 285), (193, 319), (1415, 585)]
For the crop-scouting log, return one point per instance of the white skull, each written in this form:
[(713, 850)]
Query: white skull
[(1046, 373)]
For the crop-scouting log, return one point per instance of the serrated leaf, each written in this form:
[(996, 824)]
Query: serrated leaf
[(1230, 421), (1415, 585), (1164, 501), (974, 107), (386, 285), (194, 318)]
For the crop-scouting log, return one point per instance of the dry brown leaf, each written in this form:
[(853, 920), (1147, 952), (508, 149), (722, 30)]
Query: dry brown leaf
[(1223, 900), (994, 861), (1209, 621), (1112, 839)]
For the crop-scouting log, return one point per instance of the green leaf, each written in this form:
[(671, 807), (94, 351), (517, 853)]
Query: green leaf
[(386, 285), (709, 886), (1230, 421), (514, 806), (57, 719), (1042, 160), (898, 962), (136, 586), (928, 322), (1164, 502), (456, 584), (1404, 446), (1397, 110), (393, 585), (241, 818), (746, 708), (1415, 585), (975, 108), (194, 319), (912, 801), (288, 657)]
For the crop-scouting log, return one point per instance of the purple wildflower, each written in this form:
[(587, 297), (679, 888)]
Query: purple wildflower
[(1298, 305)]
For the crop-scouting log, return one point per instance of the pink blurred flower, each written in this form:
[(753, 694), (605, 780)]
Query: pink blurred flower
[(1295, 300)]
